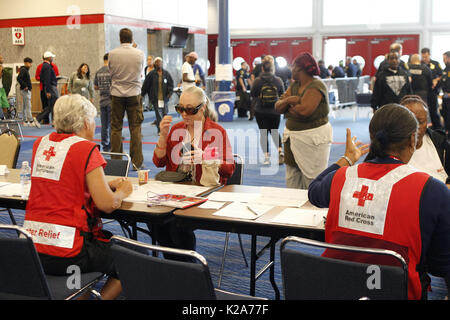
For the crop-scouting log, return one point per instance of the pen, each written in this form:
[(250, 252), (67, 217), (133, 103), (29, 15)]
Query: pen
[(252, 211)]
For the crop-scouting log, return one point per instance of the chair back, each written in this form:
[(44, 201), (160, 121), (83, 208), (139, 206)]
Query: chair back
[(117, 164), (145, 277), (21, 274), (238, 174), (10, 146), (308, 276)]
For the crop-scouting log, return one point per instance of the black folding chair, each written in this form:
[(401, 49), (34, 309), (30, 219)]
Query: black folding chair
[(119, 168), (311, 277), (117, 164), (235, 179), (146, 277), (22, 276)]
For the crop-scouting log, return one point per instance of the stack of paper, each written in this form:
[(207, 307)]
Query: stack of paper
[(13, 190), (302, 217), (215, 205), (233, 197), (3, 170), (284, 197), (246, 211)]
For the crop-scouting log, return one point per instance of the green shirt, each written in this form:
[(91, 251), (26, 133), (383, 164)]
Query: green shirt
[(318, 118), (82, 86), (299, 123)]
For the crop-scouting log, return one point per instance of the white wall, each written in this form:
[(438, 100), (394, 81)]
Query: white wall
[(192, 13), (48, 8)]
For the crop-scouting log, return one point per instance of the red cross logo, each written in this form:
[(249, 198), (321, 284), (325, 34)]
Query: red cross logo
[(49, 153), (363, 196)]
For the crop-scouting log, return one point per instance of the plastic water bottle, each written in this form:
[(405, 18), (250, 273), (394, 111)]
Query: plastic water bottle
[(25, 179)]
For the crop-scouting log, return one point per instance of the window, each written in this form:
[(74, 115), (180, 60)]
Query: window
[(439, 45), (335, 51), (441, 9), (281, 62), (259, 14), (237, 63), (370, 12)]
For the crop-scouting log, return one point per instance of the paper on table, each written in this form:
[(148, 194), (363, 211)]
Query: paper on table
[(212, 205), (241, 211), (285, 197), (233, 197), (3, 170), (301, 217), (13, 190)]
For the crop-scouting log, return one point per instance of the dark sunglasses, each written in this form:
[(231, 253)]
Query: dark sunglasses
[(189, 111)]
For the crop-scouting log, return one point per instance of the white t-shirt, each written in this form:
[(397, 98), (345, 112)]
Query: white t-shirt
[(187, 68), (426, 159)]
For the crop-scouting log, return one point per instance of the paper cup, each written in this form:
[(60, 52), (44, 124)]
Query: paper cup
[(143, 176)]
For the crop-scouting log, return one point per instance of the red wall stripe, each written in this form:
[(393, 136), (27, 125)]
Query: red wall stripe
[(50, 21)]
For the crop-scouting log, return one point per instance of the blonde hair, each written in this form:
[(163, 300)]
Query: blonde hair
[(203, 98), (70, 113), (268, 60)]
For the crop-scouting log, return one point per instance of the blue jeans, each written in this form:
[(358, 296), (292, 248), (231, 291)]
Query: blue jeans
[(105, 116), (160, 112)]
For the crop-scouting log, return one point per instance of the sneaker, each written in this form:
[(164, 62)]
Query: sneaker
[(36, 123), (266, 161), (281, 158)]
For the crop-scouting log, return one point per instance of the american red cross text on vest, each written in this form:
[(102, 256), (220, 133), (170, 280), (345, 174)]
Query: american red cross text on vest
[(363, 196), (49, 153)]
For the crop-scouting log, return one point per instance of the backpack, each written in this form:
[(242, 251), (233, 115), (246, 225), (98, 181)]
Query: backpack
[(268, 94)]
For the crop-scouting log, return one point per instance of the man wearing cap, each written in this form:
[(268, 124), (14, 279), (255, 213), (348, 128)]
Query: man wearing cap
[(187, 71), (44, 101), (158, 85), (49, 85)]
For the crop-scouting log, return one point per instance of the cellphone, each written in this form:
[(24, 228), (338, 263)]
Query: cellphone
[(187, 147)]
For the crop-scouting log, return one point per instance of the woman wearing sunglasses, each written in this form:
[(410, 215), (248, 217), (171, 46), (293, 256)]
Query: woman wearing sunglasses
[(190, 145), (197, 145)]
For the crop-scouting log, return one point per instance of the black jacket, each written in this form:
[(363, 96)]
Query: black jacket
[(385, 65), (390, 87), (151, 85), (421, 80), (442, 145), (24, 78), (48, 77)]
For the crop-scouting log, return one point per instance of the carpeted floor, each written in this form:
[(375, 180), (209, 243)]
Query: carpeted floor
[(210, 244)]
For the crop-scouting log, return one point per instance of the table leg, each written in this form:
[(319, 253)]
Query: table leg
[(253, 258)]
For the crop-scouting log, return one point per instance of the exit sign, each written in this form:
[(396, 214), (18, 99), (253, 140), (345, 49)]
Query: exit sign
[(18, 36)]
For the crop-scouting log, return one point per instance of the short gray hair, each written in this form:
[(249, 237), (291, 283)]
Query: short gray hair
[(70, 113)]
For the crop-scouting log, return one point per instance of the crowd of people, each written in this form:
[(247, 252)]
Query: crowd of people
[(405, 157)]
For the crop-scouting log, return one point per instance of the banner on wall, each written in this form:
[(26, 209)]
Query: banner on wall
[(18, 36)]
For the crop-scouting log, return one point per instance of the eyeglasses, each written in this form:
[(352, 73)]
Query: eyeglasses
[(189, 111)]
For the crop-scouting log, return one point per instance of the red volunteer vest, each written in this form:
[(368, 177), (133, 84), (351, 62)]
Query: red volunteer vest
[(377, 206), (57, 213)]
